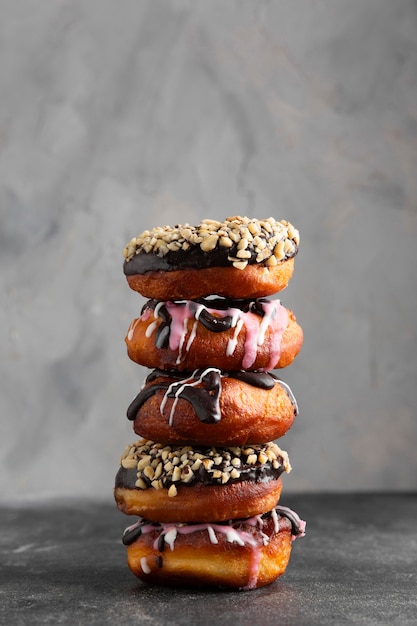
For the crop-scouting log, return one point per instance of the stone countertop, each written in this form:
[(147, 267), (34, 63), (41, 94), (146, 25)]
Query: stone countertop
[(65, 564)]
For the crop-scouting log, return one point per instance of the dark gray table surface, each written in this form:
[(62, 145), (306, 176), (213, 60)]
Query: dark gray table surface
[(357, 564)]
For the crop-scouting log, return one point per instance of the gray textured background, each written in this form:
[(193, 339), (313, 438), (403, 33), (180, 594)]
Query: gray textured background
[(120, 115)]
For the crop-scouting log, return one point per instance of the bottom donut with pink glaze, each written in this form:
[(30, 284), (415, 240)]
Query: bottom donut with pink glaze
[(240, 554)]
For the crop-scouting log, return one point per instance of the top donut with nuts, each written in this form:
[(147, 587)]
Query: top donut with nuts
[(237, 241)]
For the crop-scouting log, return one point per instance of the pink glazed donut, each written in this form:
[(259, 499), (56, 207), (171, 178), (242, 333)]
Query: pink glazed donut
[(227, 334)]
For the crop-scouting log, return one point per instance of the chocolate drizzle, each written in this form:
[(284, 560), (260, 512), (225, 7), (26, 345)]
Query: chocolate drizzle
[(204, 398), (297, 525), (136, 530), (258, 473)]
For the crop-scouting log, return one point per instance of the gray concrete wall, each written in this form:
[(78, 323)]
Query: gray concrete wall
[(120, 115)]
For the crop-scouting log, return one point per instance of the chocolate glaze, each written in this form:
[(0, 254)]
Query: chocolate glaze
[(194, 258), (212, 322), (296, 528), (258, 473), (134, 532), (205, 399)]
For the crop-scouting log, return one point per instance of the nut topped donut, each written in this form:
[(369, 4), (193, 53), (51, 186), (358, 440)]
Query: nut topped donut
[(240, 257), (199, 484), (210, 407), (228, 334)]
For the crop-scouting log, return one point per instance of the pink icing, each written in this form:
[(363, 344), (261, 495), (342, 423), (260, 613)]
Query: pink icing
[(180, 316), (275, 318), (255, 559)]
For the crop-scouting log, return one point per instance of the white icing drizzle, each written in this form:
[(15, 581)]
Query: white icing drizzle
[(131, 329), (192, 381), (150, 329), (234, 537), (269, 313), (170, 537), (157, 307), (192, 336), (232, 343), (182, 339), (144, 565), (170, 531), (275, 520), (212, 535), (290, 395)]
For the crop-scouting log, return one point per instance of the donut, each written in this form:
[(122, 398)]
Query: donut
[(230, 335), (241, 554), (209, 407), (240, 257), (199, 484)]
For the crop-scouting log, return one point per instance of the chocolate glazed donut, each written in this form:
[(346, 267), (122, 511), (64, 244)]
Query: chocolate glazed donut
[(210, 407), (199, 484), (239, 257)]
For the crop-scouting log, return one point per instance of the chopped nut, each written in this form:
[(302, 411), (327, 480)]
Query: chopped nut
[(234, 236), (245, 232), (226, 242), (262, 458), (240, 265), (271, 261), (174, 246), (248, 451), (196, 465), (187, 474), (149, 472), (176, 474), (208, 464), (186, 233), (144, 461), (158, 470), (225, 477), (271, 455), (263, 254), (209, 243), (279, 250), (243, 254), (289, 247), (172, 491), (129, 463), (254, 228)]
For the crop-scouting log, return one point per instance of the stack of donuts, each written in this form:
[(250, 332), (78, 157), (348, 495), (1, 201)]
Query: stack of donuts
[(204, 477)]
